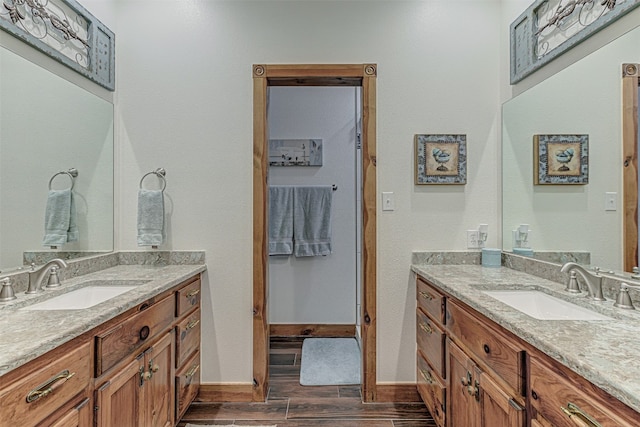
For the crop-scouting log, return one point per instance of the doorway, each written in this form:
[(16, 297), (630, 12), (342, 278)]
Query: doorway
[(359, 75)]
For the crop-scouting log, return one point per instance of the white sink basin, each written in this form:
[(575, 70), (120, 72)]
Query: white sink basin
[(544, 307), (81, 298)]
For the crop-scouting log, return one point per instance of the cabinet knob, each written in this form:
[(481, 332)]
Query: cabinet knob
[(486, 348), (144, 333), (534, 395)]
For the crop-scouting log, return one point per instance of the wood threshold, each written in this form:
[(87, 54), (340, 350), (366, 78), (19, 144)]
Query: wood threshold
[(309, 330), (318, 75), (398, 393), (231, 392)]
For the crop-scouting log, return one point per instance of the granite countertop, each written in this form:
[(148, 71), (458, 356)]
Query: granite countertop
[(25, 334), (604, 352)]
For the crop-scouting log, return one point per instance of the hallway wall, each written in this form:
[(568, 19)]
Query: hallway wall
[(184, 102)]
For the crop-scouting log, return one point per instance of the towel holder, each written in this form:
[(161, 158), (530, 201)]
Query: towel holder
[(72, 173), (160, 173)]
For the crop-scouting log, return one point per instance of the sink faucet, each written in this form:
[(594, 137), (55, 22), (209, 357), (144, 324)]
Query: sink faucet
[(593, 280), (36, 276)]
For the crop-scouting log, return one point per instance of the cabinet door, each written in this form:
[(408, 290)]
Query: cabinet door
[(498, 408), (119, 402), (463, 409), (159, 383)]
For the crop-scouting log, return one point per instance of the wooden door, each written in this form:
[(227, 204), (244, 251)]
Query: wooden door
[(159, 383), (463, 407), (498, 408), (119, 401)]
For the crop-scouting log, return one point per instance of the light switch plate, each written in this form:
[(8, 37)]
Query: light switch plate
[(388, 201), (610, 201)]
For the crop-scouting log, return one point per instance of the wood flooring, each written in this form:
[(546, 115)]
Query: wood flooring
[(291, 405)]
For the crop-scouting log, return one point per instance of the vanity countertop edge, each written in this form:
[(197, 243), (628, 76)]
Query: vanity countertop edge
[(26, 335), (604, 352)]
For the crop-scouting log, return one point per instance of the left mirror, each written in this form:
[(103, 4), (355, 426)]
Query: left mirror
[(49, 125)]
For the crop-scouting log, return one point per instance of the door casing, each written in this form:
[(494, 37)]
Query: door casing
[(363, 75)]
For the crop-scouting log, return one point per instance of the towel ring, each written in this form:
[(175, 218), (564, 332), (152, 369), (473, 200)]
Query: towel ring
[(160, 173), (72, 173)]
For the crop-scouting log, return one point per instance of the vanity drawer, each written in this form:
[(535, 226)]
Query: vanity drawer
[(432, 391), (431, 341), (61, 377), (551, 390), (187, 384), (188, 337), (129, 334), (498, 352), (188, 297), (430, 300)]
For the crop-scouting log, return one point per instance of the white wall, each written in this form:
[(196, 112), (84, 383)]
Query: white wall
[(184, 102), (317, 290)]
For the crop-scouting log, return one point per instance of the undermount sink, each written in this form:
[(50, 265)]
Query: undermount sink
[(543, 306), (94, 293)]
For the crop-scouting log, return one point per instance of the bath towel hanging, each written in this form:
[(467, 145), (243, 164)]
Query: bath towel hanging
[(280, 220), (312, 220)]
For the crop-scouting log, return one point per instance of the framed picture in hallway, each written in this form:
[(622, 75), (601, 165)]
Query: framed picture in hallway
[(441, 159), (295, 152), (561, 159)]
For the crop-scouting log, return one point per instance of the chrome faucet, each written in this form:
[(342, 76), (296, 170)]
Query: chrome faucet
[(592, 279), (36, 276)]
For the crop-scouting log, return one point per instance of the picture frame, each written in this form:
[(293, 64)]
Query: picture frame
[(561, 159), (440, 159), (295, 152)]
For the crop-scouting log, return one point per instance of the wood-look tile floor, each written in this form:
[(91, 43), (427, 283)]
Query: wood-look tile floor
[(291, 405)]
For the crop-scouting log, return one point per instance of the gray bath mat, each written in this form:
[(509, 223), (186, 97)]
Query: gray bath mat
[(330, 361)]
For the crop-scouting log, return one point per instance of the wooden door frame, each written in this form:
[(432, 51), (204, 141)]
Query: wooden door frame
[(630, 82), (363, 75)]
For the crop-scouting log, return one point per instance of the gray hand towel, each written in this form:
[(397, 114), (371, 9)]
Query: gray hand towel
[(312, 221), (280, 220), (150, 217), (57, 216)]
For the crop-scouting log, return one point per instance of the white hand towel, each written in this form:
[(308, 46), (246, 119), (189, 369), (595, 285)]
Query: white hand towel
[(150, 217)]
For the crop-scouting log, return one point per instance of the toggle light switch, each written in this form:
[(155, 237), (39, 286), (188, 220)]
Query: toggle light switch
[(388, 201)]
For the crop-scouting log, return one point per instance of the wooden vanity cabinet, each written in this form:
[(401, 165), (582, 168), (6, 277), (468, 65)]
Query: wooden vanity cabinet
[(493, 378), (553, 387), (139, 390), (431, 351), (187, 360), (43, 390)]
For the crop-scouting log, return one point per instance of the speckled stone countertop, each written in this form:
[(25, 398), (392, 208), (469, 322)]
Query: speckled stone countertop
[(605, 352), (25, 334)]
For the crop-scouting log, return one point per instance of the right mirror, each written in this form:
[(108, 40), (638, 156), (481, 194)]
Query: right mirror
[(586, 99)]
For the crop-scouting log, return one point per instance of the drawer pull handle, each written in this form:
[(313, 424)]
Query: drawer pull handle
[(50, 386), (427, 376), (426, 328), (579, 417), (427, 296), (192, 324), (192, 371), (144, 333), (192, 293)]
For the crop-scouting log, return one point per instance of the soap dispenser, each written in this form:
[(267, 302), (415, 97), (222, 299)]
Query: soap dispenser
[(6, 293)]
